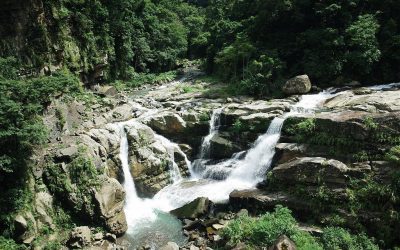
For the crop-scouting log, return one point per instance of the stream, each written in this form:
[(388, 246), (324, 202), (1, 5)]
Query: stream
[(150, 224), (149, 221)]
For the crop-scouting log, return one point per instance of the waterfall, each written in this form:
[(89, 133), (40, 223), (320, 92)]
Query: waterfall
[(136, 209), (235, 173), (215, 123), (258, 159), (198, 167), (173, 148)]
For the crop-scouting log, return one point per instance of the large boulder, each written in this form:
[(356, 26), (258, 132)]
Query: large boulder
[(44, 208), (166, 123), (151, 159), (194, 209), (283, 243), (110, 199), (312, 171), (297, 85), (221, 148), (80, 237), (286, 152), (257, 201), (25, 228), (106, 91), (170, 246)]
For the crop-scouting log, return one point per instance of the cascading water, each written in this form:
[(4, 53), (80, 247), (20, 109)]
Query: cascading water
[(215, 123), (199, 169), (135, 208), (173, 148), (236, 174), (146, 223)]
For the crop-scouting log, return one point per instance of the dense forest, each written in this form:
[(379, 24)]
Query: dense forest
[(256, 43), (47, 47)]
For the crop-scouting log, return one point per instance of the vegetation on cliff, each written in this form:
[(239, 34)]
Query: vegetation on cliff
[(263, 231)]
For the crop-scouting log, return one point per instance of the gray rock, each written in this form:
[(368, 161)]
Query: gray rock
[(21, 225), (166, 123), (283, 243), (107, 91), (221, 148), (170, 246), (110, 199), (256, 201), (314, 171), (242, 212), (297, 85), (194, 209), (44, 207), (67, 154), (80, 237)]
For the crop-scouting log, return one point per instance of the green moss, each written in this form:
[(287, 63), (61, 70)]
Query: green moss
[(75, 181)]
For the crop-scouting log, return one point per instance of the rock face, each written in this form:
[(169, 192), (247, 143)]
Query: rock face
[(257, 201), (367, 101), (110, 199), (151, 159), (312, 171), (80, 237), (194, 209), (297, 85)]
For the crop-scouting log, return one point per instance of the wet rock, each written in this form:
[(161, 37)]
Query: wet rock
[(194, 209), (151, 159), (312, 170), (221, 148), (170, 246), (80, 237), (297, 85), (283, 243), (286, 152)]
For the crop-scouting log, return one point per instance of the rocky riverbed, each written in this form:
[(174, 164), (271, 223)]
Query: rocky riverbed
[(165, 127)]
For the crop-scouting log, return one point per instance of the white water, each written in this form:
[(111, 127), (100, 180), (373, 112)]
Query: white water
[(173, 148), (385, 86), (144, 216), (236, 174), (135, 208), (215, 123), (147, 224)]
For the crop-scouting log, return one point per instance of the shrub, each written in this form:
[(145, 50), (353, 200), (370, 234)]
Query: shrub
[(335, 238), (10, 244), (265, 230), (394, 154)]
